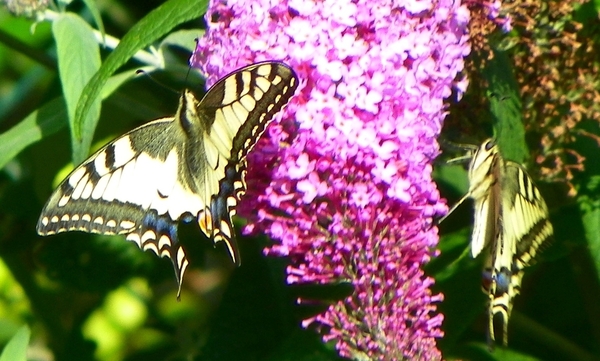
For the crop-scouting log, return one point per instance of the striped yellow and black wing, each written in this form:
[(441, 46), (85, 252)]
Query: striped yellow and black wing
[(485, 190), (522, 227), (190, 166), (510, 222)]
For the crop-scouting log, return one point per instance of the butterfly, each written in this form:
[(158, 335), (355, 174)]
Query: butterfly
[(191, 166), (510, 219)]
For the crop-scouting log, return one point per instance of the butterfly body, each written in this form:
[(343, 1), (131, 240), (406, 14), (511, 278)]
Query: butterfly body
[(189, 166), (511, 222)]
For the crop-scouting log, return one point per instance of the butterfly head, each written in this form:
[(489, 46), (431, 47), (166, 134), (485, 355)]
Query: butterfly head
[(488, 144), (187, 113)]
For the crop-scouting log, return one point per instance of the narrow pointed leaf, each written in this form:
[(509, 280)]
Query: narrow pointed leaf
[(78, 61), (152, 27), (16, 349)]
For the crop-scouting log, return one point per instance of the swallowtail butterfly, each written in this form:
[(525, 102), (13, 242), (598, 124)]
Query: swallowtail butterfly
[(189, 166), (511, 218)]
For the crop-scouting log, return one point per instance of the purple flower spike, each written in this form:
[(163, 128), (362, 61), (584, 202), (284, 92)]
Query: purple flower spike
[(342, 182)]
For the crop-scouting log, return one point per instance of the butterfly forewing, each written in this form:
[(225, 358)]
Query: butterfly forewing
[(483, 171), (188, 166), (240, 106)]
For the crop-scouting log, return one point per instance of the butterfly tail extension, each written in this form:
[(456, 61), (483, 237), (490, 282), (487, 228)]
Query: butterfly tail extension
[(189, 166), (243, 104), (159, 235), (511, 222), (223, 207), (503, 287)]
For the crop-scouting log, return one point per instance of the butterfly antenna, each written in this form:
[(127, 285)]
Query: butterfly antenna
[(460, 201), (455, 147), (156, 81), (187, 74), (470, 150)]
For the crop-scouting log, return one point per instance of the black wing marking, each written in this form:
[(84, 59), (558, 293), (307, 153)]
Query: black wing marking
[(238, 108), (128, 188), (522, 228), (171, 169)]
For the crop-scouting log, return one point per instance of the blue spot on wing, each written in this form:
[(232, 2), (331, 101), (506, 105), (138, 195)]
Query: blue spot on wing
[(503, 280), (161, 225), (187, 217)]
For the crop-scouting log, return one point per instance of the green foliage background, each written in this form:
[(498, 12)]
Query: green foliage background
[(90, 297)]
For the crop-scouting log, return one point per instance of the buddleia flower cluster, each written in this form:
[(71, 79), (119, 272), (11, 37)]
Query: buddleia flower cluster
[(342, 182), (27, 8), (553, 53)]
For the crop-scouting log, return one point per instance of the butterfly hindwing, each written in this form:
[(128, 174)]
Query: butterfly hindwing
[(524, 226), (190, 166), (129, 188), (528, 213)]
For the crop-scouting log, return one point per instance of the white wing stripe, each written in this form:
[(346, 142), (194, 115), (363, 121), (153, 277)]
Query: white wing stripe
[(264, 70), (211, 152), (87, 191), (246, 81), (123, 152), (181, 167), (480, 226), (240, 113), (222, 135), (258, 94), (113, 186), (100, 187), (100, 164), (131, 185), (263, 84), (248, 102), (230, 93), (63, 200), (167, 178), (76, 176), (80, 187)]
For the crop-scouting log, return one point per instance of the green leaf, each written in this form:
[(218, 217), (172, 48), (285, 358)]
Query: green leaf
[(91, 5), (480, 351), (153, 26), (115, 81), (28, 83), (453, 176), (41, 123), (590, 210), (16, 348), (78, 61), (183, 38), (47, 120), (505, 106)]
